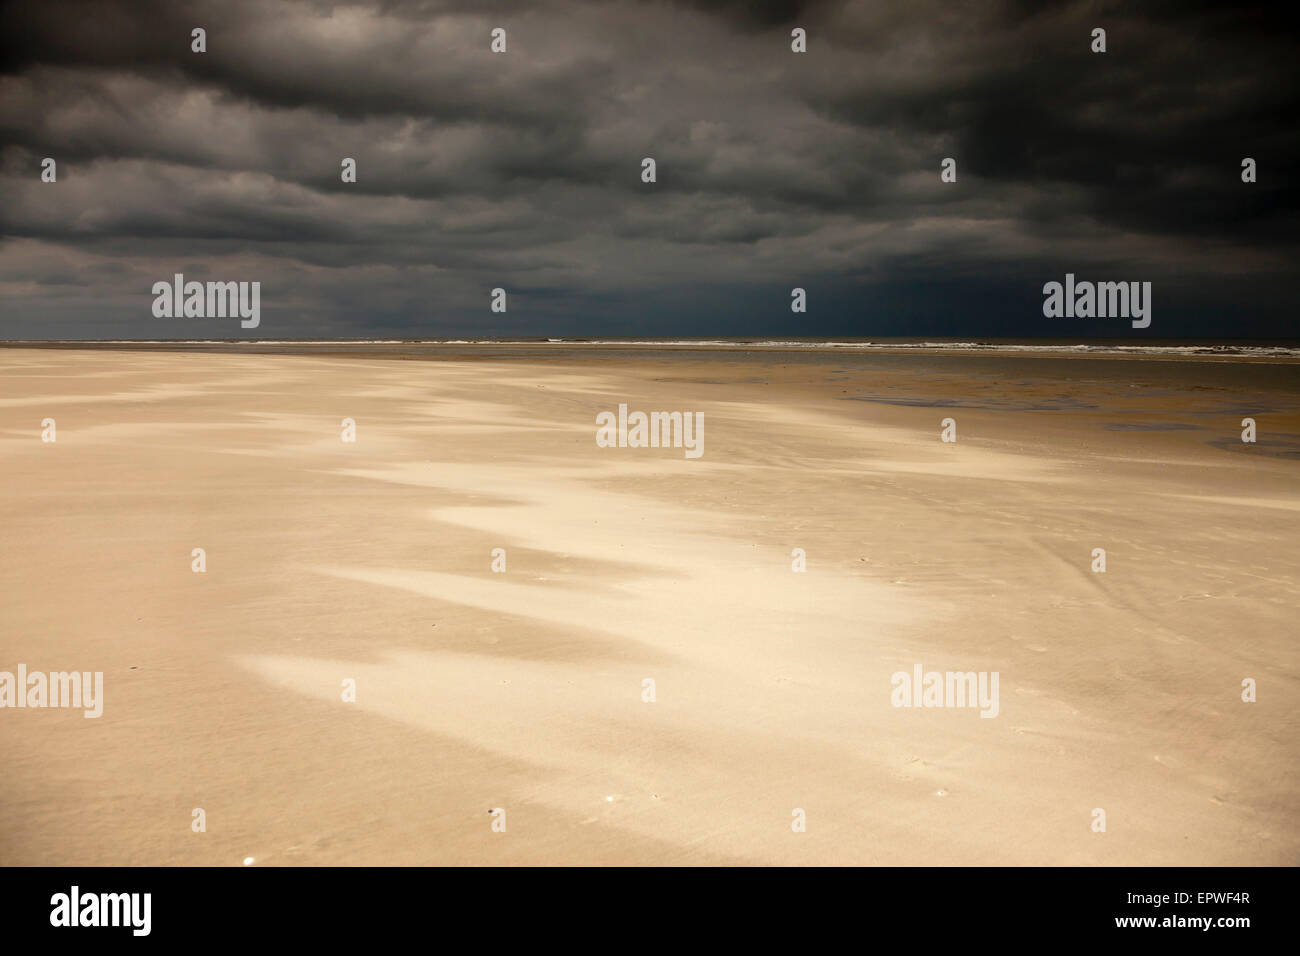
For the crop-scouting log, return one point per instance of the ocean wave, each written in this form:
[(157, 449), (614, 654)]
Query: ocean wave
[(1225, 350)]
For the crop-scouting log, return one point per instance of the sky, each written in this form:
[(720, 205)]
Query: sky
[(522, 170)]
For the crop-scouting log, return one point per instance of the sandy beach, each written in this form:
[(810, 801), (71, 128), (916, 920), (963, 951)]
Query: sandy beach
[(371, 561)]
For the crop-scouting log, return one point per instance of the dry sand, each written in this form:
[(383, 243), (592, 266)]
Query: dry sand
[(522, 690)]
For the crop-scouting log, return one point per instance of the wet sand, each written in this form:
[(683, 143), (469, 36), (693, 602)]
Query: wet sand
[(371, 562)]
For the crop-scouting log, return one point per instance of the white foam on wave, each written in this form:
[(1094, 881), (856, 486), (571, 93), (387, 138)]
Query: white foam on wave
[(775, 344)]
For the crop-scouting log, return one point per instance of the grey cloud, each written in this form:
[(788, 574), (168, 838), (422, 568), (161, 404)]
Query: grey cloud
[(522, 170)]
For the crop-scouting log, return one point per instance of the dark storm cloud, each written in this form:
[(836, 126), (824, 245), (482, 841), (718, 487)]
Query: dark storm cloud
[(522, 170), (1148, 129), (757, 13)]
